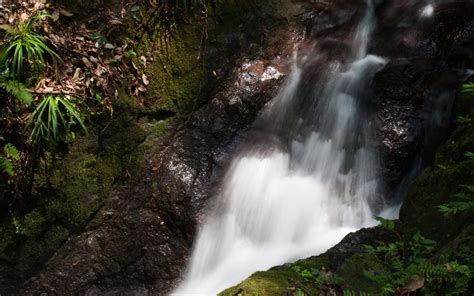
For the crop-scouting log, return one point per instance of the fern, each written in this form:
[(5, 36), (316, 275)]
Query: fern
[(465, 203), (403, 262), (453, 208), (18, 90), (11, 152), (6, 166), (9, 155)]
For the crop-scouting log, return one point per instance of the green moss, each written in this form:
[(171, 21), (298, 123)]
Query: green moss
[(81, 181), (124, 141), (353, 277), (161, 128), (188, 65), (260, 284), (34, 223), (310, 263), (7, 234), (278, 280), (71, 193), (36, 250), (177, 75), (126, 104), (133, 163)]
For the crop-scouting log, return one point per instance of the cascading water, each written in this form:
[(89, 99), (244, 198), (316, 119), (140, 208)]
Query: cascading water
[(286, 204)]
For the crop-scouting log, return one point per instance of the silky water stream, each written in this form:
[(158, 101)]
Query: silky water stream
[(295, 200)]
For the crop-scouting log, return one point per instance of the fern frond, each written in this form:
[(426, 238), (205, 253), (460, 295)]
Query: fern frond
[(11, 152), (18, 90), (6, 166), (456, 207)]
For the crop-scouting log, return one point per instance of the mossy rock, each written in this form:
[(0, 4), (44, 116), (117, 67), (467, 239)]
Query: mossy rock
[(7, 241), (281, 279), (261, 283), (63, 202), (41, 248), (34, 223), (438, 185), (187, 67), (353, 277), (177, 74)]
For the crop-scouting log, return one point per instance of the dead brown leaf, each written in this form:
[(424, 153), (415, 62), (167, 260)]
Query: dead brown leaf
[(413, 286)]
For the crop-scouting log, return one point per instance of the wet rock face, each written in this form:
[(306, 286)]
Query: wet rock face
[(198, 152), (413, 95)]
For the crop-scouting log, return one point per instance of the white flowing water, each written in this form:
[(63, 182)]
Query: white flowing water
[(283, 205), (427, 11)]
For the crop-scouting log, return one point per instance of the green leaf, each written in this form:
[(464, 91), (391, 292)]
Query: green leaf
[(463, 120), (6, 166), (52, 121), (109, 46), (468, 88), (442, 167), (456, 207), (469, 187), (11, 152), (387, 224), (24, 47)]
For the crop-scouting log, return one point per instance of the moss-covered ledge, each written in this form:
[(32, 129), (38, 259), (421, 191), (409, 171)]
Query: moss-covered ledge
[(279, 280)]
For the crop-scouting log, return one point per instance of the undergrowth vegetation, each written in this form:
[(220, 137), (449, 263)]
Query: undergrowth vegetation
[(24, 49), (49, 121), (23, 56), (53, 120), (413, 265), (54, 86)]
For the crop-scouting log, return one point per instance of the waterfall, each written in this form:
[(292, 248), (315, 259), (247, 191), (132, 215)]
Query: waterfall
[(291, 202)]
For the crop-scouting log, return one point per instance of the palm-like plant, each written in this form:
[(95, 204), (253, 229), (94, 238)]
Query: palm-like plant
[(53, 120), (25, 47)]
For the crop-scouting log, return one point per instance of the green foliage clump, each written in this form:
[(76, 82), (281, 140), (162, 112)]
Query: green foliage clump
[(16, 89), (25, 48), (53, 120), (413, 265), (320, 277), (468, 88), (7, 158), (465, 203), (466, 199)]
